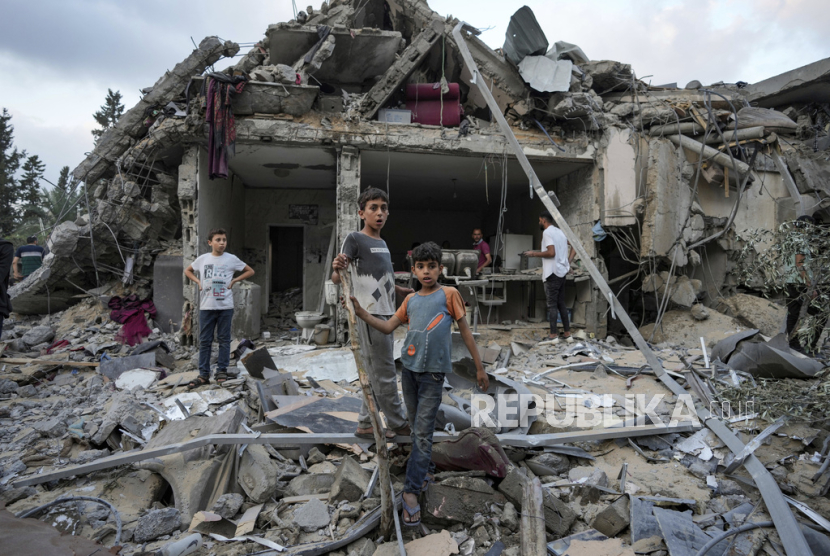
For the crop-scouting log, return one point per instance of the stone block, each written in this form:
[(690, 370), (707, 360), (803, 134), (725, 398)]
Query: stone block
[(52, 428), (510, 517), (588, 475), (558, 516), (457, 500), (350, 481), (156, 523), (361, 547), (614, 518), (38, 335), (228, 505), (549, 464), (258, 473), (312, 515), (310, 484)]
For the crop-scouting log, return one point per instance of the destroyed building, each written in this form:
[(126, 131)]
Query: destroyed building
[(659, 183), (316, 123)]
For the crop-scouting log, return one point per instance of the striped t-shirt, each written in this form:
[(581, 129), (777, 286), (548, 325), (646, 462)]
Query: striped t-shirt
[(31, 257)]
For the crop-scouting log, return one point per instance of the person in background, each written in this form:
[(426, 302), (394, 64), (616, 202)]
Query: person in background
[(29, 257), (484, 257), (556, 255), (6, 256), (215, 281)]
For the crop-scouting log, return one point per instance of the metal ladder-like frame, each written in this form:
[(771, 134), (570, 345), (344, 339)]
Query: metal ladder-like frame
[(788, 530)]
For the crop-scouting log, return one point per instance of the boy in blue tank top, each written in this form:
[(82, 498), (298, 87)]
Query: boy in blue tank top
[(426, 359)]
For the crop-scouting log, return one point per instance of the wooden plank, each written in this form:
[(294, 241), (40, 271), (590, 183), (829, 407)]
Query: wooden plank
[(25, 361), (533, 520), (386, 500)]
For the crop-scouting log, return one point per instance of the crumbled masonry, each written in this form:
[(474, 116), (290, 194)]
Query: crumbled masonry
[(662, 186)]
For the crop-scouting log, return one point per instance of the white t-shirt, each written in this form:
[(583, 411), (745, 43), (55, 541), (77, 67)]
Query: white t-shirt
[(216, 273), (558, 264)]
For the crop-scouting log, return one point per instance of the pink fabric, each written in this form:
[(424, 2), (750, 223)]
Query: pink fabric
[(430, 107), (129, 312)]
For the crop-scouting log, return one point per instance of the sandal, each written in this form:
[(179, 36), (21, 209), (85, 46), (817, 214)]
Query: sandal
[(410, 512), (221, 377), (197, 382), (428, 480)]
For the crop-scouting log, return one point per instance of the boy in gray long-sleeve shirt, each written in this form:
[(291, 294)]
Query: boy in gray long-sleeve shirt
[(374, 288)]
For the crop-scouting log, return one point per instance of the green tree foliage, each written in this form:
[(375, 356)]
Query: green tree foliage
[(767, 264), (108, 115), (60, 203), (10, 159), (29, 194)]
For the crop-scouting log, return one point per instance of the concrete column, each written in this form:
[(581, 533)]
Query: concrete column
[(348, 191), (188, 194)]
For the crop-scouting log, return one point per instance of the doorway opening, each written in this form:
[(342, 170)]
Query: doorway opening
[(286, 243)]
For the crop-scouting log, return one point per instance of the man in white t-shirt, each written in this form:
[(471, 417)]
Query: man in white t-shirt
[(216, 281), (556, 255)]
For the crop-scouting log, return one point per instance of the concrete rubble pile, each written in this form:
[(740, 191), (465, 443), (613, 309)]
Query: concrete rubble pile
[(606, 485), (584, 448)]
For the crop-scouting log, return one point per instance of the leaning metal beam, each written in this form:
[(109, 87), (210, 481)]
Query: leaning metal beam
[(295, 439), (785, 523)]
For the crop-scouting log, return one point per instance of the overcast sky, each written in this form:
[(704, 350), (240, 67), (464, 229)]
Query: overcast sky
[(58, 57)]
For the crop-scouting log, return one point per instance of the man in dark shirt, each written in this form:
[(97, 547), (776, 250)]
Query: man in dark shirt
[(29, 257), (484, 257)]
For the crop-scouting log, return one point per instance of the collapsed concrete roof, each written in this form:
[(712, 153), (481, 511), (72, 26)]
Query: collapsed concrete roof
[(135, 190)]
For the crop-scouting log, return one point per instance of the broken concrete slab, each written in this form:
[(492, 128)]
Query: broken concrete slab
[(366, 54), (558, 516), (436, 544), (274, 98), (755, 312), (317, 483), (258, 473), (114, 368), (228, 505), (157, 523), (680, 327), (458, 500), (350, 481), (614, 518), (804, 84), (312, 515), (136, 378), (115, 141)]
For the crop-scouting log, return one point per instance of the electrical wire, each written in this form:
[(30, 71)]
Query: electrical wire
[(735, 531)]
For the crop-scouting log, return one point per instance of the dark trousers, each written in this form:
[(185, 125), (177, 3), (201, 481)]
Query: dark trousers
[(794, 300), (555, 293), (422, 394), (220, 322)]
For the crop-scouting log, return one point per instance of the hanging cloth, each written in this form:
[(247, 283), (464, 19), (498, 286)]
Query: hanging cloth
[(219, 115)]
